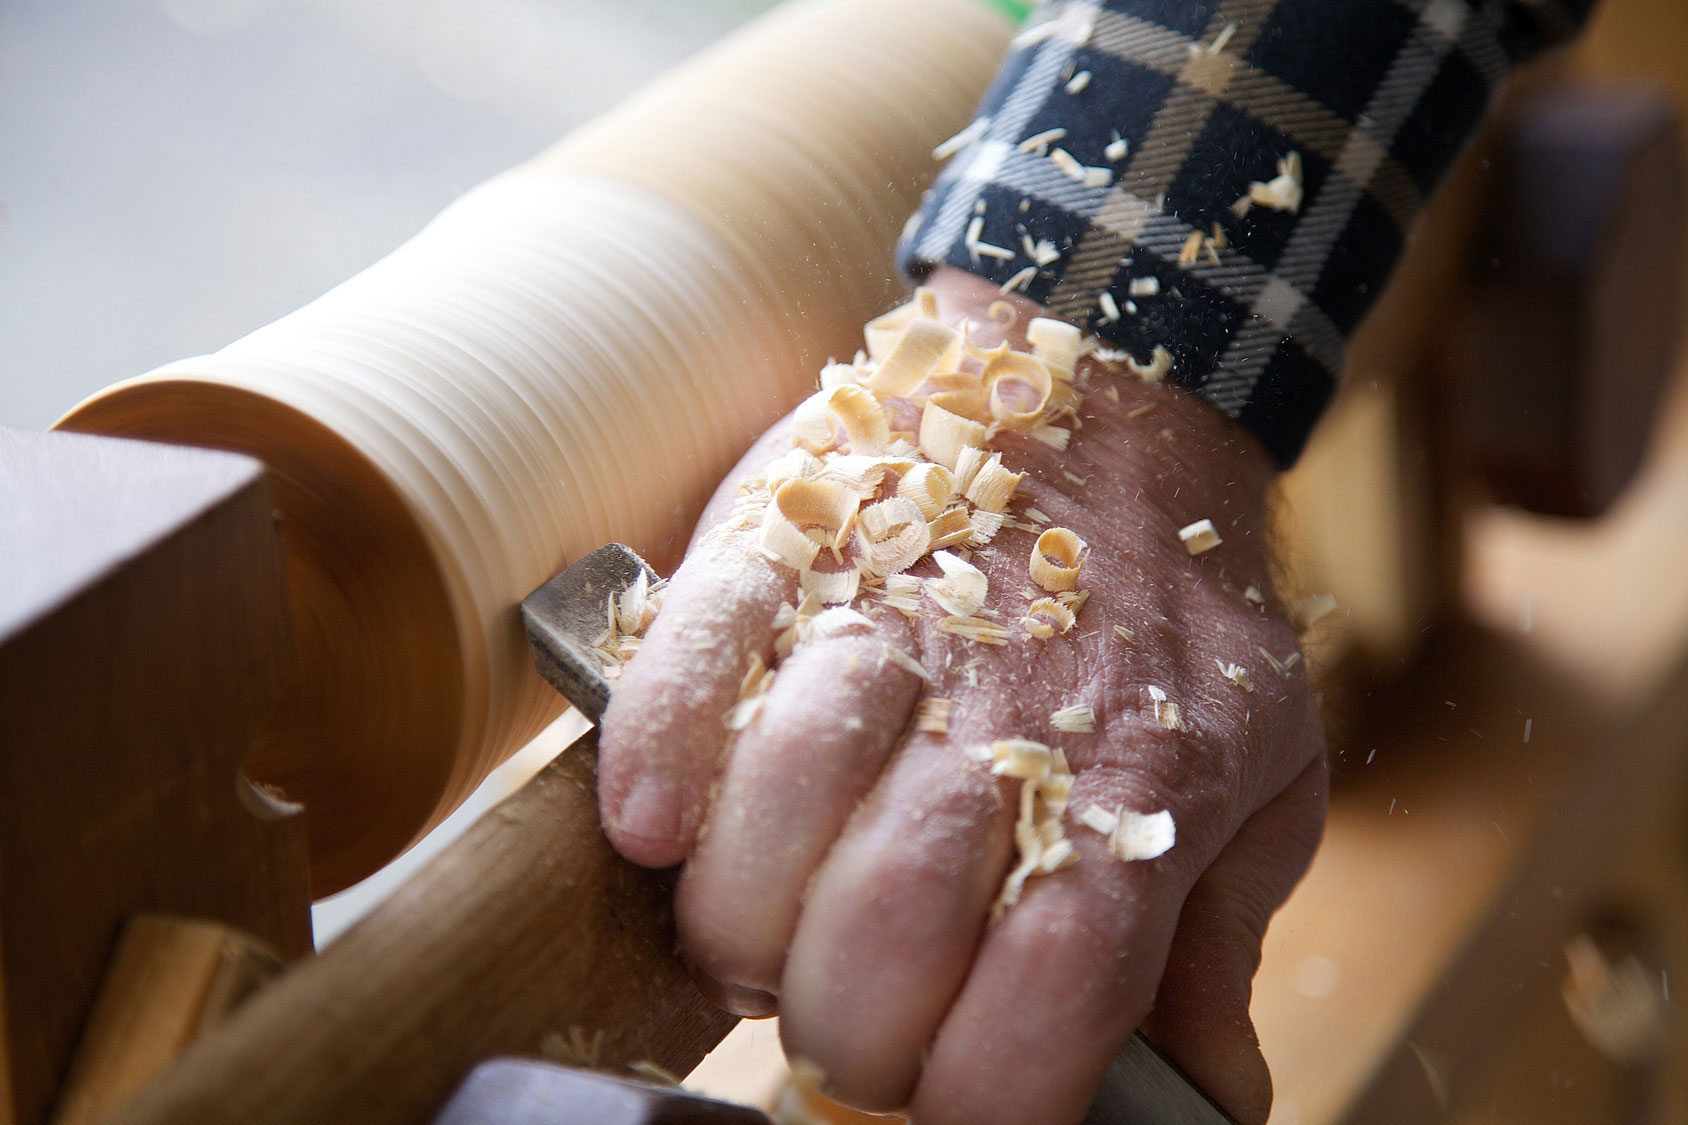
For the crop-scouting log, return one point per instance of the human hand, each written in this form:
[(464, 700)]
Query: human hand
[(842, 864)]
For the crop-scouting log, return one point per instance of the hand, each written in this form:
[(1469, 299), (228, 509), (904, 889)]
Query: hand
[(841, 865)]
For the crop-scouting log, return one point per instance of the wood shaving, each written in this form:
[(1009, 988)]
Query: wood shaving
[(943, 435), (1057, 558), (1051, 435), (850, 405), (753, 690), (1038, 143), (920, 349), (1073, 477), (901, 592), (1281, 193), (654, 1073), (1019, 281), (1074, 599), (1236, 673), (1024, 377), (1069, 166), (979, 630), (975, 130), (984, 527), (1192, 250), (1078, 718), (1117, 149), (906, 662), (1045, 616), (1253, 596), (993, 486), (1157, 369), (1078, 83), (1036, 515), (1124, 633), (1144, 287), (1199, 537), (831, 587), (961, 591), (1167, 713), (1132, 836), (954, 527), (1038, 835), (932, 715), (1311, 611), (1056, 342)]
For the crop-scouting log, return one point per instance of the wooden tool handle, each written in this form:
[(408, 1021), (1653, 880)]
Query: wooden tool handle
[(528, 926)]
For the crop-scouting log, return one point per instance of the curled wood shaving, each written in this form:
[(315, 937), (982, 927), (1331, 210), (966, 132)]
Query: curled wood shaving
[(1020, 385), (979, 630), (1044, 616), (831, 587), (892, 536), (882, 332), (1057, 558), (944, 434), (993, 486), (866, 426), (1167, 713), (827, 505), (1310, 611), (1077, 718), (1156, 370), (1056, 343), (1199, 537), (952, 528), (932, 715), (923, 347), (930, 487)]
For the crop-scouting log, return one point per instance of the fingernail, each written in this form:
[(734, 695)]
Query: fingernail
[(651, 810), (751, 1003)]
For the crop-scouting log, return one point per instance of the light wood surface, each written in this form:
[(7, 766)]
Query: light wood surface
[(573, 353), (171, 980), (527, 934)]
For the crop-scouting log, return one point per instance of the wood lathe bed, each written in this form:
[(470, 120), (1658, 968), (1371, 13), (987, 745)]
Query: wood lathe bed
[(445, 431)]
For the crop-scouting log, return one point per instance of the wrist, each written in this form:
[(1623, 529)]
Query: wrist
[(1187, 455)]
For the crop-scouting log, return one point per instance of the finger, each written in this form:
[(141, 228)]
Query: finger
[(663, 733), (1200, 1016), (1062, 979), (892, 921), (837, 707)]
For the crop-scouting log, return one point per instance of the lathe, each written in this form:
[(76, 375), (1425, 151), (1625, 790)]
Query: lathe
[(230, 684)]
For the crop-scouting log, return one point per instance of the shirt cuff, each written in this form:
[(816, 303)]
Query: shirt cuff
[(1229, 180)]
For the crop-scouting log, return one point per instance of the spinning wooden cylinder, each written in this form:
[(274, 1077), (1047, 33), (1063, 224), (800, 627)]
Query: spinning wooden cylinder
[(573, 352)]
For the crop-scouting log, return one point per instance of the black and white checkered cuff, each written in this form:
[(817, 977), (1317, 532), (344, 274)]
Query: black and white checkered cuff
[(1231, 180)]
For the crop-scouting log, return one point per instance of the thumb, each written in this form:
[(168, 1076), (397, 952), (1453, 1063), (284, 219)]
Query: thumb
[(1201, 1017)]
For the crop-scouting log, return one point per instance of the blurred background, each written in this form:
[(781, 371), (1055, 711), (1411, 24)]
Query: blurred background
[(176, 173)]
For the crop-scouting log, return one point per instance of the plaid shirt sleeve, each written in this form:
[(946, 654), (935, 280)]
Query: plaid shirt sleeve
[(1108, 175)]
